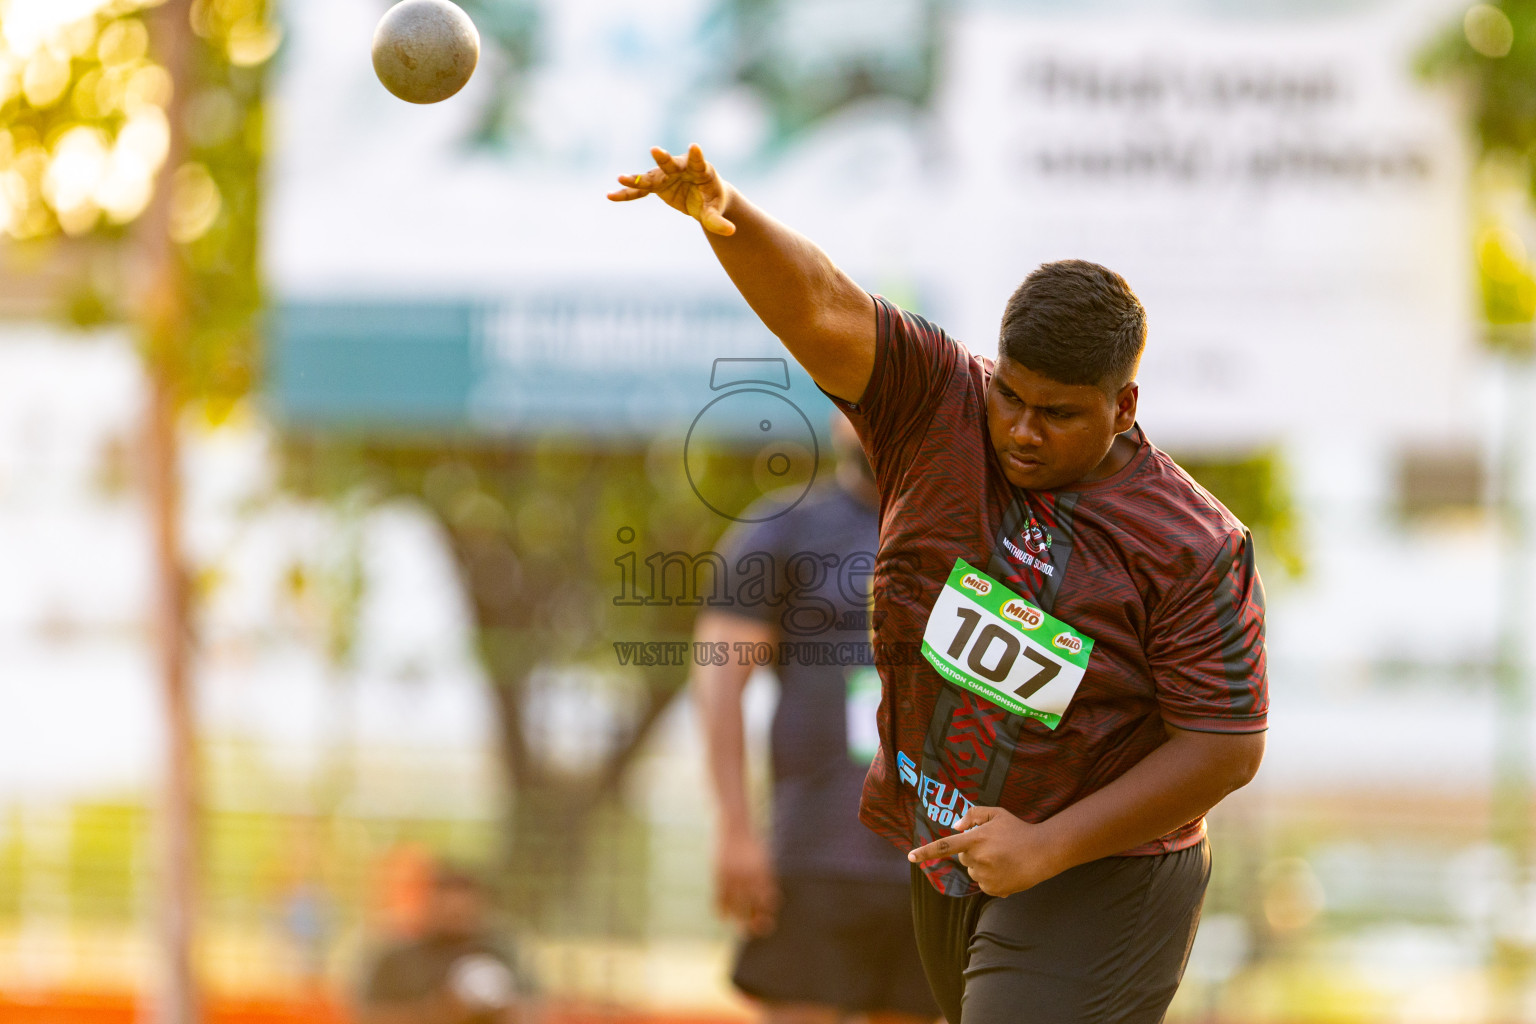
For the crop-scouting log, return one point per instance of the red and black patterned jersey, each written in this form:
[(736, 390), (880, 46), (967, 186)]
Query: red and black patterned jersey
[(1146, 562)]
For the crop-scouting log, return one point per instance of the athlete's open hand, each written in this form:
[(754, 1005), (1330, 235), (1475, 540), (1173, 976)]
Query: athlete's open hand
[(687, 184), (1002, 853), (746, 888)]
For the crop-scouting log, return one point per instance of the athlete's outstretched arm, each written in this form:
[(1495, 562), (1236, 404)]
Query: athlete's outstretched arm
[(746, 887), (1172, 786), (825, 320)]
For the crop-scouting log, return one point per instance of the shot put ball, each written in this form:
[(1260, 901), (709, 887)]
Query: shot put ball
[(425, 50)]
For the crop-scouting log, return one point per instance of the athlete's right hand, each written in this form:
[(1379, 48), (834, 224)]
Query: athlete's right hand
[(688, 184), (746, 889)]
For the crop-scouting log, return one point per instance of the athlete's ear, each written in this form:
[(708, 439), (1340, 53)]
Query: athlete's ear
[(1125, 407)]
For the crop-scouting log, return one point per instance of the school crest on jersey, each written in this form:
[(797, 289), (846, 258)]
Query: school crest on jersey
[(1034, 543), (1037, 541)]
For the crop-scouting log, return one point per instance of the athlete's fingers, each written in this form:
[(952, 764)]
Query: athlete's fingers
[(668, 163), (757, 905), (746, 891), (714, 222), (765, 913), (946, 847), (742, 906), (975, 816), (637, 186)]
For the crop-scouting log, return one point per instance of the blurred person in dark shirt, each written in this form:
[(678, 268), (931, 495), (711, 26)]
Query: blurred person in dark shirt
[(458, 970), (825, 904)]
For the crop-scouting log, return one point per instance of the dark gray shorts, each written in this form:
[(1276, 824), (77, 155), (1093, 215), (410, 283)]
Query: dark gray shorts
[(1105, 942)]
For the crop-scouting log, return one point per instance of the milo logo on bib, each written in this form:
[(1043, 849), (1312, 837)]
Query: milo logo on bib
[(987, 639), (977, 583), (1026, 615)]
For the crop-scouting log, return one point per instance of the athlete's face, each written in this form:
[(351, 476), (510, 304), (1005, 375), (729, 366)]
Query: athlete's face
[(1049, 434)]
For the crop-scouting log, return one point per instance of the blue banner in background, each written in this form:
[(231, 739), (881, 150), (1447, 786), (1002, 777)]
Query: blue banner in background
[(564, 364)]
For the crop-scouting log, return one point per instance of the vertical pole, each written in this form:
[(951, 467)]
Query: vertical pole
[(1512, 769), (165, 323), (176, 1002)]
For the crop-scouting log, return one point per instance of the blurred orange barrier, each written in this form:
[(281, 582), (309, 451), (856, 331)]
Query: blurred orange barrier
[(125, 1009)]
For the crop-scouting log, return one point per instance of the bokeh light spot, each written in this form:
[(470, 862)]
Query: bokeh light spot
[(85, 94), (123, 42), (45, 78), (252, 41), (30, 25), (195, 202), (74, 174), (125, 191), (1489, 30), (150, 87)]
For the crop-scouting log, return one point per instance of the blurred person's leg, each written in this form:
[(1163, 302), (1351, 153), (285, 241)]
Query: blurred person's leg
[(842, 948), (1104, 941), (896, 990)]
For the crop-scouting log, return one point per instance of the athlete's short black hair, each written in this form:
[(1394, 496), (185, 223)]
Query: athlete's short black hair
[(1075, 322)]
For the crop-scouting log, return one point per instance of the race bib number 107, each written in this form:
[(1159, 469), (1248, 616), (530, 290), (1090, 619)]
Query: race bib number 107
[(986, 638)]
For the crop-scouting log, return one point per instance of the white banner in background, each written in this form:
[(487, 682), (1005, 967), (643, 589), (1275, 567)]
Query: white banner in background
[(1283, 194)]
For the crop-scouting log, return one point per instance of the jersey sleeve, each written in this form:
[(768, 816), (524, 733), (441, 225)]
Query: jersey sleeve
[(914, 361), (1206, 647)]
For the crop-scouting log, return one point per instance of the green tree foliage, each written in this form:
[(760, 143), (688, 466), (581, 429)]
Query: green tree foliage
[(1492, 51), (1491, 54), (219, 198), (805, 76), (85, 132), (84, 121)]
